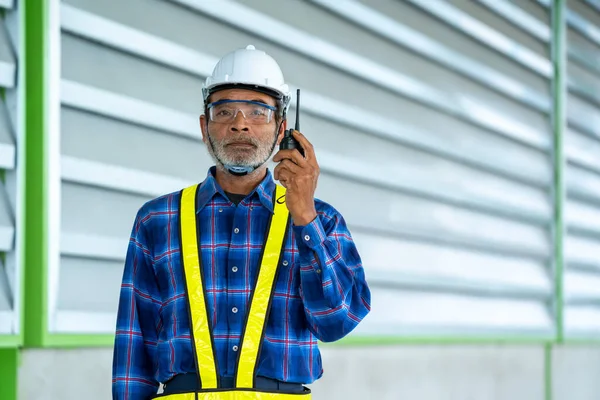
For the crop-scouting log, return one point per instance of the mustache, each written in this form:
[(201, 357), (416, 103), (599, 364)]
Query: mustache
[(241, 140)]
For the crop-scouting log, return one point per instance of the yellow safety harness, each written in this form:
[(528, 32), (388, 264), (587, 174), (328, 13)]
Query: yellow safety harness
[(253, 334)]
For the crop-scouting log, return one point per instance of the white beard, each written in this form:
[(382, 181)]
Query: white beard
[(256, 156)]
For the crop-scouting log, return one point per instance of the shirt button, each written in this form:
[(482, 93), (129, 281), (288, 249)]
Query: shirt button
[(285, 263), (235, 348), (236, 230), (234, 310), (220, 210), (307, 238), (234, 269), (318, 271)]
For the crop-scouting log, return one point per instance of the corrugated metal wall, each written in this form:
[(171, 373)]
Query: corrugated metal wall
[(582, 157), (431, 120), (582, 143), (10, 190)]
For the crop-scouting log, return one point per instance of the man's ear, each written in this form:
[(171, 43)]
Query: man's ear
[(204, 128), (282, 128)]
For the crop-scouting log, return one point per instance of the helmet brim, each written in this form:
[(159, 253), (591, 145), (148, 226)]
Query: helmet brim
[(256, 88)]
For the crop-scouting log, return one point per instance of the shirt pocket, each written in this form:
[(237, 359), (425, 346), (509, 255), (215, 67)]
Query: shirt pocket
[(168, 271)]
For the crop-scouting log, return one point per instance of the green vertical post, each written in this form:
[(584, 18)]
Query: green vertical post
[(559, 94), (9, 367), (548, 371), (36, 202), (558, 49)]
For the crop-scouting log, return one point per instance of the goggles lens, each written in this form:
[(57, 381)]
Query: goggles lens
[(254, 112)]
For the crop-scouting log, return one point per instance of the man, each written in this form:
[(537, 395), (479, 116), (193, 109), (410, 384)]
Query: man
[(228, 284)]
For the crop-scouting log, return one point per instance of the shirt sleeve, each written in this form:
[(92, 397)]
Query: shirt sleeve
[(333, 288), (134, 357)]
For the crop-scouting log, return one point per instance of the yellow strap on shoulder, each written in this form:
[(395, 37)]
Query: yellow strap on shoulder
[(253, 334), (195, 290)]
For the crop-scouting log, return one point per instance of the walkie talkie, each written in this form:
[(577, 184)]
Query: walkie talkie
[(288, 141)]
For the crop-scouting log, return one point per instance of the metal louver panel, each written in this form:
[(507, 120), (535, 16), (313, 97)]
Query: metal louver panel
[(582, 243), (454, 167), (11, 131)]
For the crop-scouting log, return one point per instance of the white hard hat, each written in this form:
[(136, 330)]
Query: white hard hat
[(249, 69)]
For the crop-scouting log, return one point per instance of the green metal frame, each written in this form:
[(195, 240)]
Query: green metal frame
[(581, 342), (548, 371), (439, 340), (10, 341), (36, 196), (64, 340), (36, 230), (559, 91), (9, 367)]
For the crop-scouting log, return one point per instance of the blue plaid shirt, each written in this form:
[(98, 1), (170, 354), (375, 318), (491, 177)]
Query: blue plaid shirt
[(320, 291)]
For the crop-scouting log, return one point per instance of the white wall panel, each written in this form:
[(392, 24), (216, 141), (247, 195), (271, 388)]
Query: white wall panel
[(501, 49), (92, 137), (582, 142), (11, 156), (582, 150)]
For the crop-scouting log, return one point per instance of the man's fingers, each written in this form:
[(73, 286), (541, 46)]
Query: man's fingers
[(289, 165), (290, 154), (284, 176), (286, 165)]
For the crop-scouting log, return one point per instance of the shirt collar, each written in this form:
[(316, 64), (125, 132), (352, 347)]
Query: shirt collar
[(209, 188)]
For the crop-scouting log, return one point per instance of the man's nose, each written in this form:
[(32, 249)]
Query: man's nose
[(239, 122)]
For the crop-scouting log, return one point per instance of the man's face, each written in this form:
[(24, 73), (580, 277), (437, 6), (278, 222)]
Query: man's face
[(240, 142)]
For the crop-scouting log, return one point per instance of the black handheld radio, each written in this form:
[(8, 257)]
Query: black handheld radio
[(288, 141)]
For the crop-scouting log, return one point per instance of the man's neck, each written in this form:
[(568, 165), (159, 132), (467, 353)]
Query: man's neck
[(240, 184)]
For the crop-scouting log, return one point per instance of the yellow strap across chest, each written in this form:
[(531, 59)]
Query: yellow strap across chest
[(261, 296), (200, 327)]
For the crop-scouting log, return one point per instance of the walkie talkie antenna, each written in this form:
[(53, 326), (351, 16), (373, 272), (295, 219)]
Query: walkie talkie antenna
[(297, 110)]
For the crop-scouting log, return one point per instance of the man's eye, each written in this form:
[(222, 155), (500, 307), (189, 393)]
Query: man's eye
[(258, 112), (225, 112)]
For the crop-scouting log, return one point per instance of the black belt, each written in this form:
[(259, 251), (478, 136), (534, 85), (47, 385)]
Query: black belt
[(184, 383)]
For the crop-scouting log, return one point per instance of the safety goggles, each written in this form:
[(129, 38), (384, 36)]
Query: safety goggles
[(225, 111)]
